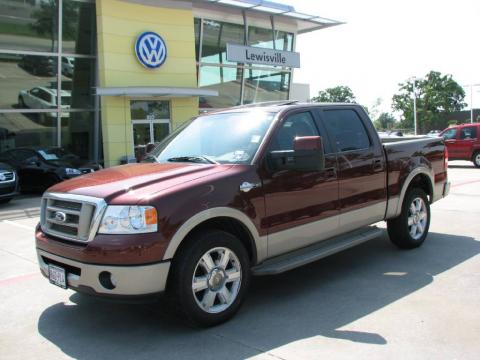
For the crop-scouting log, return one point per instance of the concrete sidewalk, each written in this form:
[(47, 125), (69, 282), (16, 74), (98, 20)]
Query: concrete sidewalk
[(22, 206)]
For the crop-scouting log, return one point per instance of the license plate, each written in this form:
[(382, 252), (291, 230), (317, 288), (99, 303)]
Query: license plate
[(57, 276)]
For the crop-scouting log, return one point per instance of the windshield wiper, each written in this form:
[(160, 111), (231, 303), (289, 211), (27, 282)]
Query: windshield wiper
[(193, 158)]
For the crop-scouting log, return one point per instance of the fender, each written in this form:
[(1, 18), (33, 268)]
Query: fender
[(394, 207), (197, 219)]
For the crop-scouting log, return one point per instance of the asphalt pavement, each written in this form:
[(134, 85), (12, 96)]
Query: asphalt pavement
[(369, 302)]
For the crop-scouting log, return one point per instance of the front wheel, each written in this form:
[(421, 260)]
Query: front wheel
[(410, 229), (476, 159), (210, 277)]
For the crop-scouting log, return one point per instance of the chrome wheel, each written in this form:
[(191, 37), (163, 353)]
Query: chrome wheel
[(216, 280), (417, 218)]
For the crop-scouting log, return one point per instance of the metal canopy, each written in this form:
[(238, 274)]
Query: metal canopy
[(146, 91), (283, 10)]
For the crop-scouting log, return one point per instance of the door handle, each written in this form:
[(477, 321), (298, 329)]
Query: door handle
[(377, 165)]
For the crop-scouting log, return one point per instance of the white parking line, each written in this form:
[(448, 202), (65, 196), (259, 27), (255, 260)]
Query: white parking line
[(30, 228)]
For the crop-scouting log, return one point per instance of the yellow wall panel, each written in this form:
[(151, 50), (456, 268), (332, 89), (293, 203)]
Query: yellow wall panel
[(119, 23)]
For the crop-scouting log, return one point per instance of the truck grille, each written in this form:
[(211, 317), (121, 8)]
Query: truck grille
[(71, 217)]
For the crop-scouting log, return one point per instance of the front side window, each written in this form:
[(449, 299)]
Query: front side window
[(296, 125), (346, 130), (450, 134), (228, 138)]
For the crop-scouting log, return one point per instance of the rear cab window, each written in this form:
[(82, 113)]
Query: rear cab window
[(346, 130)]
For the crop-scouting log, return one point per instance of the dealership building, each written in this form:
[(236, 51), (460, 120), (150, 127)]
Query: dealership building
[(102, 79)]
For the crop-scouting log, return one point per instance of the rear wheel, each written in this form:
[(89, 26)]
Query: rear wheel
[(5, 200), (410, 229), (210, 278), (476, 159)]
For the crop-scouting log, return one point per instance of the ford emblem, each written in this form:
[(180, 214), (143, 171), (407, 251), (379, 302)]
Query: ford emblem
[(60, 216)]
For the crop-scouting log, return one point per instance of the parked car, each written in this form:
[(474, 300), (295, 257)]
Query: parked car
[(68, 65), (40, 168), (41, 97), (39, 65), (240, 192), (463, 143), (8, 183)]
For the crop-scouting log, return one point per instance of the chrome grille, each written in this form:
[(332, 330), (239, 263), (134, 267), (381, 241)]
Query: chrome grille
[(71, 217), (8, 176)]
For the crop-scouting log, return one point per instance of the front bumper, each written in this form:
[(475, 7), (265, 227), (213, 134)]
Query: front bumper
[(132, 280), (8, 189)]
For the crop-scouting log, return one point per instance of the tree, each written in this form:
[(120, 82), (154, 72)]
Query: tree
[(437, 95), (45, 23), (336, 94), (384, 122)]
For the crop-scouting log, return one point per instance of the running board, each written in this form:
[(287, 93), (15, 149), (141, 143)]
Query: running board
[(315, 252)]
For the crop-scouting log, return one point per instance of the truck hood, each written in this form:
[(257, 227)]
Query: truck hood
[(125, 183)]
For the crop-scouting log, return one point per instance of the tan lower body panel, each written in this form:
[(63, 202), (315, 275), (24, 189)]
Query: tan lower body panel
[(129, 280)]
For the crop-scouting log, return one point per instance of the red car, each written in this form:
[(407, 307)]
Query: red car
[(463, 143)]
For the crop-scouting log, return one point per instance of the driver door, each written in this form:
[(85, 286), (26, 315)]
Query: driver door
[(301, 206)]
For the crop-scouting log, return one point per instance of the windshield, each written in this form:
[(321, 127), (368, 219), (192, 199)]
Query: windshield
[(227, 138), (54, 154)]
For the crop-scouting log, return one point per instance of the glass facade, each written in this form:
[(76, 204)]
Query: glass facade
[(239, 83), (48, 75)]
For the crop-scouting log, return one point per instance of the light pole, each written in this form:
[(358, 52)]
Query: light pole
[(471, 100), (414, 79)]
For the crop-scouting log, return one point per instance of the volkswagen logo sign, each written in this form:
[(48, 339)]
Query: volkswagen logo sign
[(151, 50), (60, 216)]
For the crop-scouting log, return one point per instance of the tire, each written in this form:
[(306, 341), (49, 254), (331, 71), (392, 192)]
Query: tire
[(476, 159), (220, 290), (5, 200), (410, 229), (21, 103)]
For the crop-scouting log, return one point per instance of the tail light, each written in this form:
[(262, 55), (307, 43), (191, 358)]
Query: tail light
[(446, 158)]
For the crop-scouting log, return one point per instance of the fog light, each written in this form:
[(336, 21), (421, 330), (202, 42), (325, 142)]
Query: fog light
[(107, 280)]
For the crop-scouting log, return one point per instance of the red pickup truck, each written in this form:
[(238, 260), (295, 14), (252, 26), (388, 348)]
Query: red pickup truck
[(246, 191), (463, 143)]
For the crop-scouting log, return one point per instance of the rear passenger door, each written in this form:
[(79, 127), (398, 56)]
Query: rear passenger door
[(361, 166), (467, 138)]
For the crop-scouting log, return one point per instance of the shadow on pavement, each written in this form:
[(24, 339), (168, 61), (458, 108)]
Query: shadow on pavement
[(315, 300)]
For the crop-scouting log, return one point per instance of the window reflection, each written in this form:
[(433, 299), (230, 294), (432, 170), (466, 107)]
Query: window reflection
[(29, 25), (216, 35), (226, 80), (77, 134), (21, 130), (78, 25), (28, 82), (265, 85)]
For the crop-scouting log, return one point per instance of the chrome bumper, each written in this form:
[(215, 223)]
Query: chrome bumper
[(130, 280)]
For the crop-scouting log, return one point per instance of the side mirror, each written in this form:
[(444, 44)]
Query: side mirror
[(307, 155)]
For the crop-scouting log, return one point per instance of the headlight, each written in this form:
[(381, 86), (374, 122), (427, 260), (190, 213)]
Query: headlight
[(129, 220), (70, 171)]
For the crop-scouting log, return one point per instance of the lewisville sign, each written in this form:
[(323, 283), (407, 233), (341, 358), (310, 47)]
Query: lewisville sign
[(255, 55)]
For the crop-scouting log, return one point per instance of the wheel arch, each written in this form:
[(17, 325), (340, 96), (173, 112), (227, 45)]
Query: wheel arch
[(422, 178), (222, 218)]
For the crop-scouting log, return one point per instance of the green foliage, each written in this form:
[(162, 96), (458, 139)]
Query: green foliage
[(452, 122), (337, 94), (46, 23), (437, 95), (385, 121)]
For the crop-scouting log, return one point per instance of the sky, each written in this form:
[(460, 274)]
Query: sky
[(385, 42)]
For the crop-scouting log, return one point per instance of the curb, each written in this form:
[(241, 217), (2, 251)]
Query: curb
[(19, 214)]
